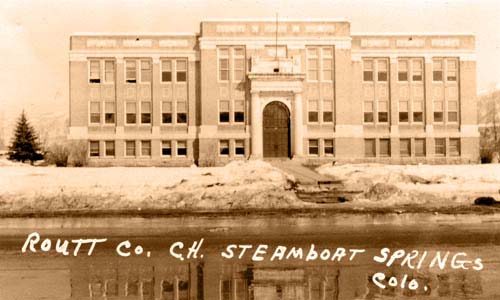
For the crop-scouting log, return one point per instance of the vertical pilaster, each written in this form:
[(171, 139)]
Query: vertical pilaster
[(256, 133), (298, 141)]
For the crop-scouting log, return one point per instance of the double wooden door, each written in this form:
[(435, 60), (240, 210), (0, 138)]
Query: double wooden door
[(276, 126)]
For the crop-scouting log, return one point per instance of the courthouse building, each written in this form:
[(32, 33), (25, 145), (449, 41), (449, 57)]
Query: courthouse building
[(300, 89)]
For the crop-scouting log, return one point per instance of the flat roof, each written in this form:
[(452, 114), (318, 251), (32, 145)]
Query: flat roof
[(411, 33), (134, 34), (274, 20)]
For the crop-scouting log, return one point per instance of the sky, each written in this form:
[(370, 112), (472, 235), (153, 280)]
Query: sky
[(34, 35)]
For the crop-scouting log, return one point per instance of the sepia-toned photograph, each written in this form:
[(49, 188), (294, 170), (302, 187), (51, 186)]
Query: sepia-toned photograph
[(250, 150)]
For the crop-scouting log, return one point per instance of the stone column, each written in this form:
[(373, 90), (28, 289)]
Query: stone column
[(298, 142), (256, 132)]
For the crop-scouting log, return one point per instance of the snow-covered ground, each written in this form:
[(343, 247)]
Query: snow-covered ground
[(240, 184), (429, 185)]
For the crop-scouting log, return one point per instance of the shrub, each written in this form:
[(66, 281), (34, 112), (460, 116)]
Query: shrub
[(78, 153), (58, 154)]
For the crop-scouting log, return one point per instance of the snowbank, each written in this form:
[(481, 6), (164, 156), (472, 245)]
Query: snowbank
[(429, 185), (252, 184)]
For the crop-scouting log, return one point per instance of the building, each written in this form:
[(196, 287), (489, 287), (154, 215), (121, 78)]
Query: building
[(300, 89)]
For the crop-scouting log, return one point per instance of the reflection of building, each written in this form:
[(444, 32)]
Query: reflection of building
[(233, 92)]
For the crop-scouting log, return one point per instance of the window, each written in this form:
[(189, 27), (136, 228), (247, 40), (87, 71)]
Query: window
[(451, 69), (385, 147), (224, 147), (167, 290), (181, 148), (328, 111), (166, 71), (133, 288), (382, 70), (223, 64), (313, 111), (109, 112), (418, 111), (183, 290), (369, 147), (145, 71), (131, 109), (94, 148), (239, 147), (226, 289), (312, 64), (383, 114), (438, 111), (166, 114), (368, 112), (130, 148), (368, 70), (166, 148), (440, 147), (110, 148), (238, 64), (145, 112), (130, 71), (418, 70), (181, 112), (452, 111), (146, 148), (329, 150), (109, 71), (437, 70), (327, 58), (419, 147), (403, 111), (95, 112), (95, 71), (454, 147), (313, 147), (224, 111), (148, 290), (403, 70), (181, 70), (405, 147), (239, 111)]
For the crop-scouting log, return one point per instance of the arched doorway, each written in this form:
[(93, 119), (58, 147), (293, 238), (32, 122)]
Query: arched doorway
[(276, 126)]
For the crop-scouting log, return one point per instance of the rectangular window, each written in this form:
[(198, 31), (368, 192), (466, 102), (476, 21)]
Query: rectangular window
[(181, 148), (146, 148), (238, 64), (181, 70), (131, 109), (418, 70), (418, 111), (224, 111), (239, 111), (405, 147), (223, 64), (166, 148), (454, 147), (95, 71), (109, 71), (403, 70), (181, 112), (145, 112), (368, 70), (403, 112), (166, 71), (383, 111), (313, 147), (385, 147), (167, 290), (437, 70), (451, 69), (452, 111), (327, 59), (183, 290), (95, 112), (225, 290), (145, 71), (130, 148), (166, 113), (239, 147), (370, 148), (419, 147), (438, 111), (94, 149), (440, 147), (110, 148), (328, 111), (130, 71), (313, 111), (312, 64), (224, 147), (368, 112), (109, 112), (382, 70), (329, 150)]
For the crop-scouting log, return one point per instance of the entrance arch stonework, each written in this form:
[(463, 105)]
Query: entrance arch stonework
[(276, 130)]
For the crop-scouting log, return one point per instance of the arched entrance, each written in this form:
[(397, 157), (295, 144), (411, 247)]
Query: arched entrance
[(276, 126)]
